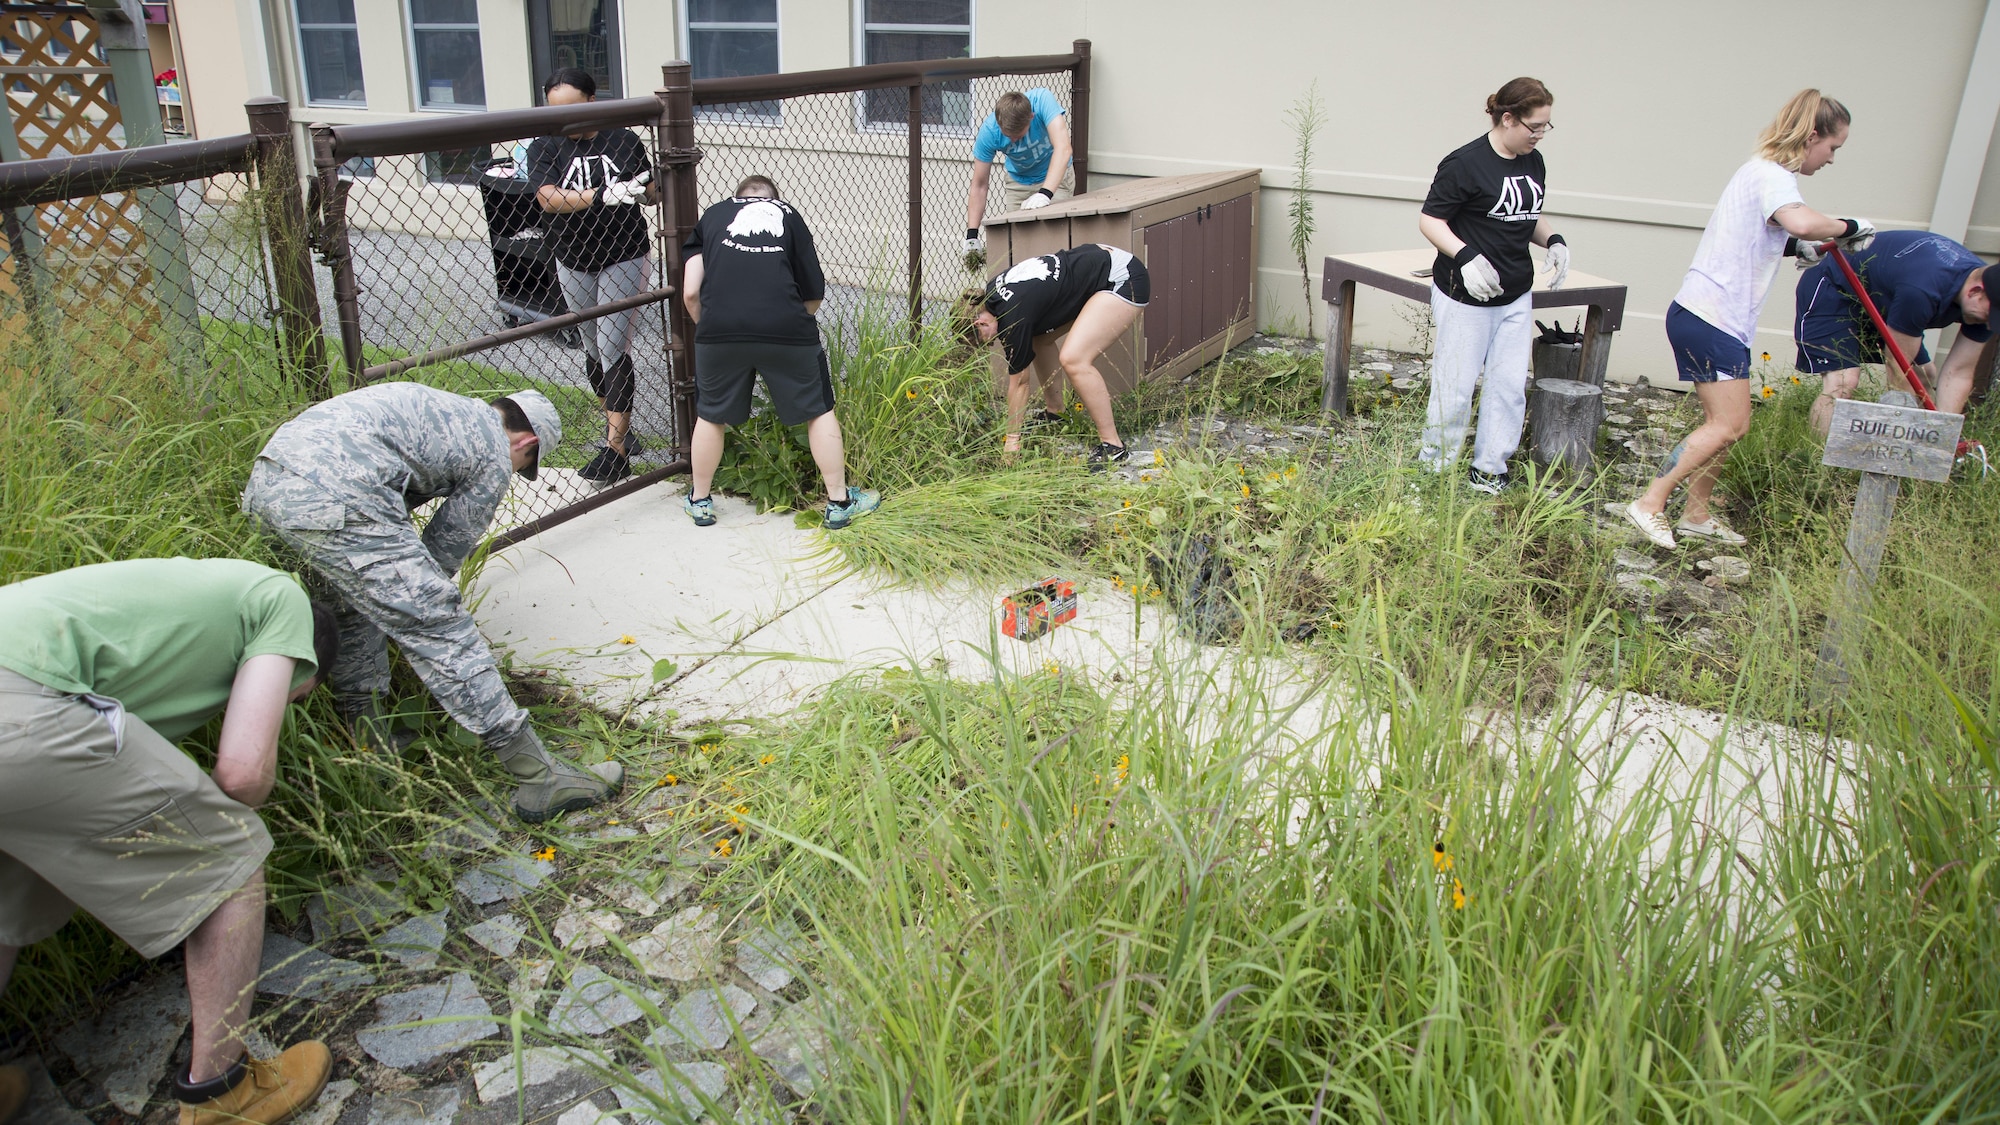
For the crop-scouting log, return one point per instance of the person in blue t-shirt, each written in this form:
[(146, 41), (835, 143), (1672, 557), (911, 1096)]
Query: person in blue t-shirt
[(1918, 281), (1029, 133)]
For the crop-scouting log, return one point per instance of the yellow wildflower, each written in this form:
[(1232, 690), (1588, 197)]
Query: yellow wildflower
[(1767, 357), (1128, 503), (708, 747), (1457, 895), (613, 821), (1246, 492), (627, 639), (670, 779), (1159, 458), (724, 847), (1768, 392), (1440, 859), (743, 808), (546, 854), (1124, 767), (911, 395), (767, 759), (1795, 380)]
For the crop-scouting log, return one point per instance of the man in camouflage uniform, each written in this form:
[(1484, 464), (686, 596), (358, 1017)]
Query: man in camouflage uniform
[(338, 484)]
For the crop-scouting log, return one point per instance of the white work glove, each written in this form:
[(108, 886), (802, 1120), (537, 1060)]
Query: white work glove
[(1558, 262), (1042, 198), (622, 193), (1482, 281), (972, 240), (1806, 251), (1864, 233)]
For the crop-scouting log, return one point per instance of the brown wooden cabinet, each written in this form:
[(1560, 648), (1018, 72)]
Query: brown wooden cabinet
[(1198, 237)]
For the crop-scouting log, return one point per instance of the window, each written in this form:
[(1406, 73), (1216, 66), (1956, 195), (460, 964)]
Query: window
[(579, 33), (907, 30), (330, 52), (728, 38), (358, 168), (456, 165), (444, 38)]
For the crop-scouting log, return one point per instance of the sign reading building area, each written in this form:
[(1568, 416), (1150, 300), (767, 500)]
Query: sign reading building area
[(1897, 441)]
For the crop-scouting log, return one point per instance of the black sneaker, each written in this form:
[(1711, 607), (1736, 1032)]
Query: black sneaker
[(1106, 455), (608, 467), (1492, 484), (1042, 420)]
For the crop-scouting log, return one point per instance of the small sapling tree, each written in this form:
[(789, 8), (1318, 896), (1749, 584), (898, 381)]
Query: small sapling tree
[(1306, 116)]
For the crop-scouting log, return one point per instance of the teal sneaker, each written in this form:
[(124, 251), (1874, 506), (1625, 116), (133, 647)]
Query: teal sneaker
[(860, 502), (701, 511)]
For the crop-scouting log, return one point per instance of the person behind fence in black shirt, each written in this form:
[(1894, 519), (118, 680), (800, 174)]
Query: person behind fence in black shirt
[(591, 184), (1094, 293), (752, 284)]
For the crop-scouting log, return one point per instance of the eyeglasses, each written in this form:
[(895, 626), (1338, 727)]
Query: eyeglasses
[(1536, 130)]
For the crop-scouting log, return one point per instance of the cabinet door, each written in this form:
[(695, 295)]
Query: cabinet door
[(1225, 240), (1174, 263)]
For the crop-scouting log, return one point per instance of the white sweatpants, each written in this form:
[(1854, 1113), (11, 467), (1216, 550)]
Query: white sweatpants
[(1472, 341)]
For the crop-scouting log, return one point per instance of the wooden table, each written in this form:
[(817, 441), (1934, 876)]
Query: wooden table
[(1394, 271)]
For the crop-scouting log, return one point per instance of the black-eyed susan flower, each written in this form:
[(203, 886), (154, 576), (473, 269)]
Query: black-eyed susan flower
[(1768, 392), (1795, 381), (1440, 859), (1124, 768), (911, 395), (1767, 357), (1457, 895)]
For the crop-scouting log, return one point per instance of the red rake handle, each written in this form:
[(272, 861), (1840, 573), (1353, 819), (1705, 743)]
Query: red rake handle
[(1881, 326)]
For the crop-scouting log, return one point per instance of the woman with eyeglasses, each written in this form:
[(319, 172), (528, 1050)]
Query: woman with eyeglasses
[(1483, 210), (1712, 320)]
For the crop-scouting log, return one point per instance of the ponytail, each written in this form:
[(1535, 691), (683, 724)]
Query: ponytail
[(1785, 140)]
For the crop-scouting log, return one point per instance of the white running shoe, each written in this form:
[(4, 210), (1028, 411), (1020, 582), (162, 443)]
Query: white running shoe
[(1714, 529), (1653, 524)]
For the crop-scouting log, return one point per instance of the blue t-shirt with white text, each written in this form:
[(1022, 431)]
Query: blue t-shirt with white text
[(1914, 277), (1027, 158)]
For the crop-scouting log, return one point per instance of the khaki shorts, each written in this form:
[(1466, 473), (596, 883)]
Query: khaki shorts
[(1014, 193), (126, 827)]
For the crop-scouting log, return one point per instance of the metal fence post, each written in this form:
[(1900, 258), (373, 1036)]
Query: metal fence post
[(683, 208), (916, 210), (1079, 115), (284, 221), (334, 250)]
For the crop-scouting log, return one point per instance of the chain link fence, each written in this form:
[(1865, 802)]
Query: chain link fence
[(482, 254), (146, 258)]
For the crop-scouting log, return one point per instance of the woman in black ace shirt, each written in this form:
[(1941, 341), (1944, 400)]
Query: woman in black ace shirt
[(1093, 292), (1483, 210), (591, 184)]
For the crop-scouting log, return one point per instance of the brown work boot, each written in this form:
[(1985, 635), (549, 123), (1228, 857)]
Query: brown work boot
[(13, 1092), (269, 1091)]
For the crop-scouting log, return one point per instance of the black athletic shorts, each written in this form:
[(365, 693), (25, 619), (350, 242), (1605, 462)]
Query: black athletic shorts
[(796, 377)]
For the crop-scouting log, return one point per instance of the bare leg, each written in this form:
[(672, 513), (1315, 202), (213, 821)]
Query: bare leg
[(1834, 385), (704, 454), (1103, 318), (1726, 409), (823, 438), (617, 423), (1052, 393), (222, 955)]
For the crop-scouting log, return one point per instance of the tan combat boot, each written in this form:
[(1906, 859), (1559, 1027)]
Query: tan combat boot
[(13, 1092), (270, 1091), (552, 785)]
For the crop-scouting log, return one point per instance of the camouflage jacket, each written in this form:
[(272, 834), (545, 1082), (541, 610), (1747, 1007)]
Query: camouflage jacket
[(376, 454)]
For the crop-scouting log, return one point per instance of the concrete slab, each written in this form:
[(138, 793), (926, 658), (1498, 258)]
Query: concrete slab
[(752, 612)]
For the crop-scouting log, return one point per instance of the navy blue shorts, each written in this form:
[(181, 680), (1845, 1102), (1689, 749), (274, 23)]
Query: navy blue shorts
[(1833, 330), (1704, 353)]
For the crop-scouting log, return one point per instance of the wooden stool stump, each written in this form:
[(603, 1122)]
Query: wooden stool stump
[(1562, 421)]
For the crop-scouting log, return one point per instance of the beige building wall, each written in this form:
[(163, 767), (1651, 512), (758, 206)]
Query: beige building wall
[(1656, 106)]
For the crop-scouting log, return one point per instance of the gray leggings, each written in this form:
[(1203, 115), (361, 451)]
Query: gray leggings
[(608, 337)]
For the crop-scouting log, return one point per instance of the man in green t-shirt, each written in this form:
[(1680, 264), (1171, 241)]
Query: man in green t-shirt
[(101, 669)]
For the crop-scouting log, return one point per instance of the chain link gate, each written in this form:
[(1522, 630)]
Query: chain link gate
[(438, 264)]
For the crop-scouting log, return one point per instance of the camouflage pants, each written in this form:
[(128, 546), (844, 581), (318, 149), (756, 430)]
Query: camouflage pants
[(387, 586)]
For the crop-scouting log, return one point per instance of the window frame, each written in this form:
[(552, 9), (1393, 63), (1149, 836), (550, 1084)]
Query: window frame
[(861, 29), (777, 30), (299, 26), (541, 51), (416, 67)]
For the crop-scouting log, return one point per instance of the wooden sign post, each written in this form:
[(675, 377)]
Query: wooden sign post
[(1887, 441)]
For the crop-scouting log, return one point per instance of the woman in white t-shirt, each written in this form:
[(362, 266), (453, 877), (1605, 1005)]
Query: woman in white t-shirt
[(1712, 320)]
